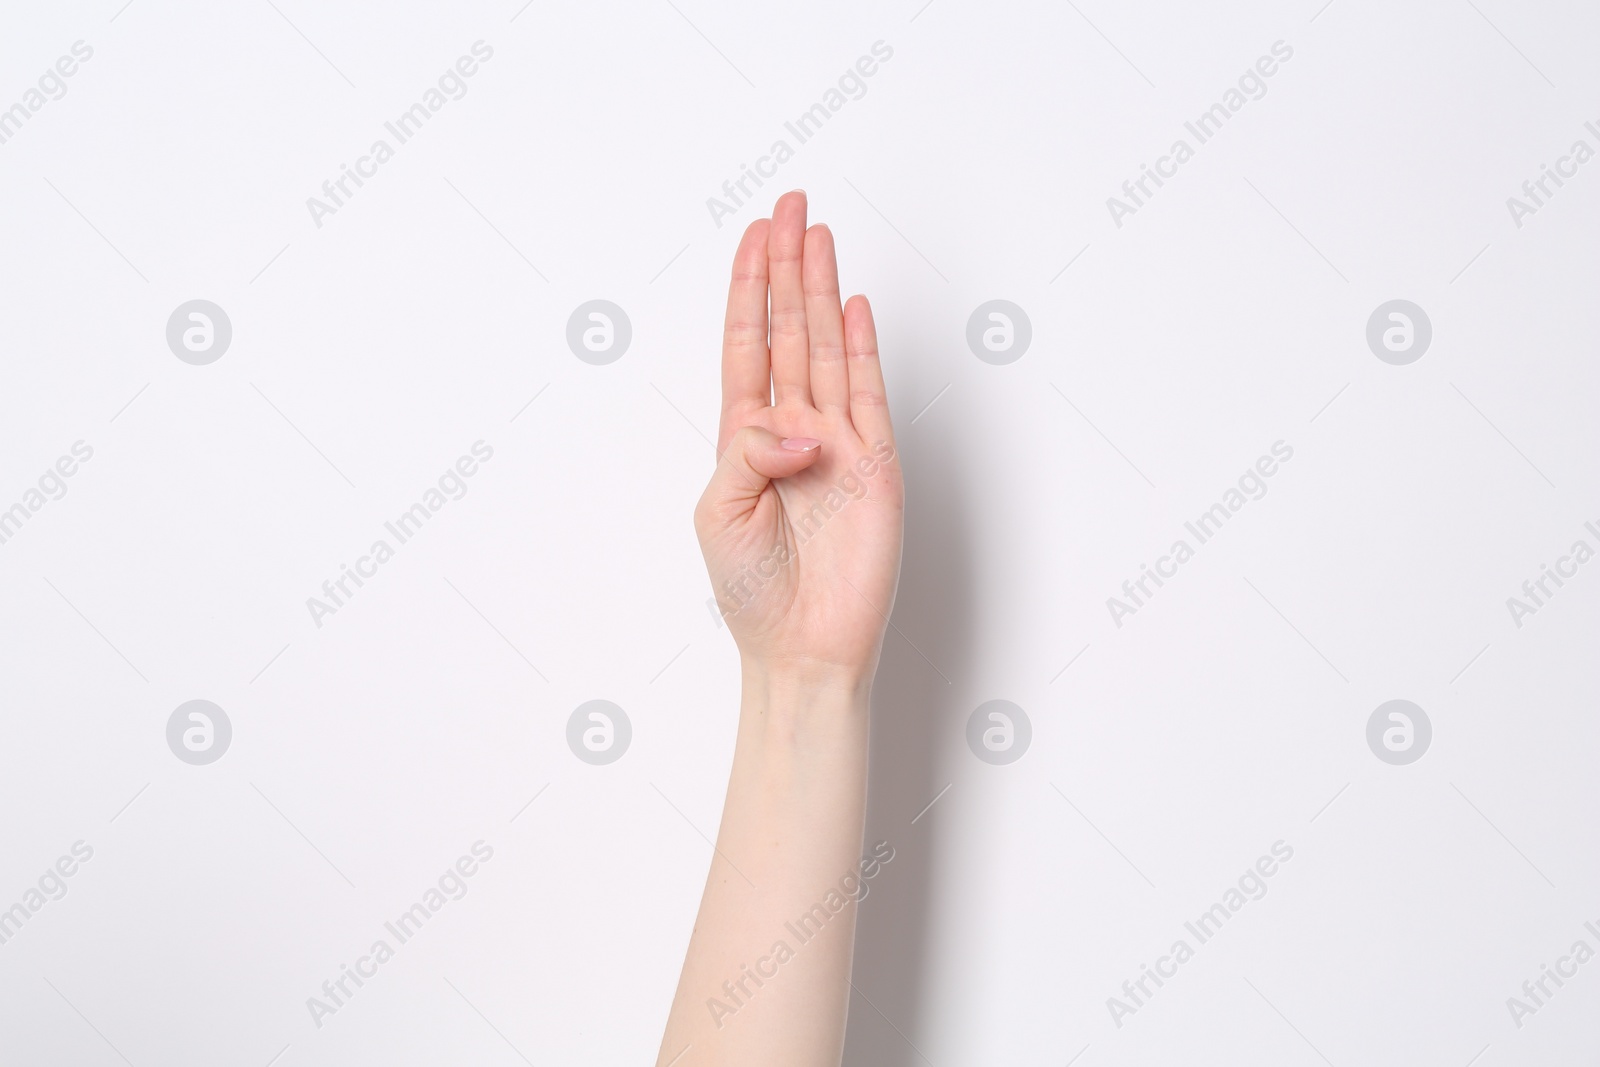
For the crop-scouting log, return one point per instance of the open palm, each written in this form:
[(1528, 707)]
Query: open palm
[(801, 523)]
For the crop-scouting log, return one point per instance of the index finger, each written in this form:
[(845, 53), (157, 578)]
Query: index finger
[(746, 365)]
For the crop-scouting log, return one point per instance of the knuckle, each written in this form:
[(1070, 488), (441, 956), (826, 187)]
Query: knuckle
[(789, 322), (743, 333), (784, 250)]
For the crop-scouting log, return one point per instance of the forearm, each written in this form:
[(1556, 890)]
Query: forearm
[(804, 429), (766, 979)]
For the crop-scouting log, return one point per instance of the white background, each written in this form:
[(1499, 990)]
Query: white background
[(368, 354)]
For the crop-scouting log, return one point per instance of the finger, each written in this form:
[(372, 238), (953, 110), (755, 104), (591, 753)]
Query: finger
[(791, 356), (746, 376), (869, 405), (830, 378), (753, 458)]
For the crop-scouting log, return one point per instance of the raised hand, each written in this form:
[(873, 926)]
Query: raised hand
[(800, 527), (801, 523)]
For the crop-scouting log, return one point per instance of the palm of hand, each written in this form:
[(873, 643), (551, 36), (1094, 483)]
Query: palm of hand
[(801, 524)]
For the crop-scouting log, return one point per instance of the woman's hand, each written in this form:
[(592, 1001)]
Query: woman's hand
[(801, 524), (800, 527)]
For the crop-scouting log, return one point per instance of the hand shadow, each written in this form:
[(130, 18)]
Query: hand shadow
[(926, 654)]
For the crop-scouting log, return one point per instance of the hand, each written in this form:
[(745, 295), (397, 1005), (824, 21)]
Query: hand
[(801, 524)]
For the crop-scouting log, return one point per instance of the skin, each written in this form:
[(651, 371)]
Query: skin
[(805, 422)]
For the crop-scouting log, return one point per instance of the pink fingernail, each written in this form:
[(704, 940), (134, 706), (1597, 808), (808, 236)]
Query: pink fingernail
[(800, 444)]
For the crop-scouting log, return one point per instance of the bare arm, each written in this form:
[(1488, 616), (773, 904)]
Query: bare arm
[(801, 528)]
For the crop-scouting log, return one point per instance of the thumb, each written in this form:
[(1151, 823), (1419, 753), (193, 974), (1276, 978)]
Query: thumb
[(753, 458)]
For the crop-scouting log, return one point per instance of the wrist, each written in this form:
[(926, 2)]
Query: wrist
[(801, 683)]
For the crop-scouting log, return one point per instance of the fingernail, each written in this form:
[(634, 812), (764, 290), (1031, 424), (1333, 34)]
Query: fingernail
[(800, 444)]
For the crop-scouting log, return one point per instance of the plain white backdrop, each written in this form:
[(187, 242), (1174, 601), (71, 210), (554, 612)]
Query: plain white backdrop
[(368, 353)]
